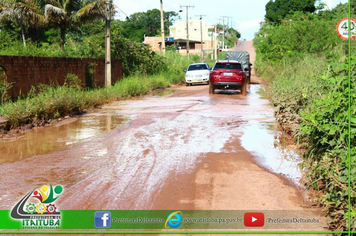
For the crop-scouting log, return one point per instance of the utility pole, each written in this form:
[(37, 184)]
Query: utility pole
[(224, 31), (163, 45), (187, 7), (215, 46), (218, 29), (201, 36), (229, 27), (212, 35), (108, 44)]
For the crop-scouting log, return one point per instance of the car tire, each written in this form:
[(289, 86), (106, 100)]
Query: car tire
[(211, 89), (187, 84), (243, 89)]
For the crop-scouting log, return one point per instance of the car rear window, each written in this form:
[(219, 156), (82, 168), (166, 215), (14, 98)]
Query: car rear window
[(198, 67), (228, 66)]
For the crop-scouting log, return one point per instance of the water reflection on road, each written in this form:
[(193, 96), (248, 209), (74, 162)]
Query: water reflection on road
[(54, 138), (260, 136)]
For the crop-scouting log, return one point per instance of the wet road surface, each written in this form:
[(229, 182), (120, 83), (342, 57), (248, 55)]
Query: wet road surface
[(187, 150), (184, 150)]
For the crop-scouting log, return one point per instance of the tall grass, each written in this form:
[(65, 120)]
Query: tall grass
[(310, 95), (293, 84)]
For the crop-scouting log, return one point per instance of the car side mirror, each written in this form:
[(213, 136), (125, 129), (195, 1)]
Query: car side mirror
[(185, 70)]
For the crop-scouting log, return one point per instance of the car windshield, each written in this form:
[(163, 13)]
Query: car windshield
[(197, 67), (228, 66)]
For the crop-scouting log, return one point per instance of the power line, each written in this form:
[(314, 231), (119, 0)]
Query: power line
[(127, 17)]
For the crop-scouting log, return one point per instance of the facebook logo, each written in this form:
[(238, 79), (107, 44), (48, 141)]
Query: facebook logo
[(102, 219)]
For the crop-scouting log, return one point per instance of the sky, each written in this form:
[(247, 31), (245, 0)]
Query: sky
[(246, 15)]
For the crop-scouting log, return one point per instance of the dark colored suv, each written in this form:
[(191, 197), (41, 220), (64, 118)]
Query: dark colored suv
[(228, 74)]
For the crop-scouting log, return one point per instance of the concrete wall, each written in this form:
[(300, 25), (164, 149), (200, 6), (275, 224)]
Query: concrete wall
[(28, 71)]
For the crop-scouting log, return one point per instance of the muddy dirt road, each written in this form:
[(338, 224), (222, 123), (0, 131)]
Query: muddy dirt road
[(183, 150)]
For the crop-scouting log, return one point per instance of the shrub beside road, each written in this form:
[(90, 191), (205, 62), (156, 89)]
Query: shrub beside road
[(305, 69)]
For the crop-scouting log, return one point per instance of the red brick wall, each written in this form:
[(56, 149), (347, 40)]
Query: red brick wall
[(28, 71)]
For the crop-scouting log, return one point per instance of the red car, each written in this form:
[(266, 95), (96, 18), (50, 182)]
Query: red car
[(228, 74)]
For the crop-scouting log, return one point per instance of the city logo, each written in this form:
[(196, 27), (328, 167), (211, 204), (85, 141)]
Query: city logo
[(102, 219), (254, 219), (174, 220), (37, 209)]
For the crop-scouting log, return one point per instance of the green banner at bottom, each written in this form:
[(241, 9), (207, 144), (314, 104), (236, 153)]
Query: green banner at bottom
[(163, 219)]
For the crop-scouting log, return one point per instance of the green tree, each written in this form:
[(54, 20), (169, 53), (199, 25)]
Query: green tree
[(147, 23), (279, 9), (137, 58), (234, 33), (63, 14), (25, 14)]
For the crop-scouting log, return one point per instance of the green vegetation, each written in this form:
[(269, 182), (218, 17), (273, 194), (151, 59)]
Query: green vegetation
[(76, 29), (63, 14), (325, 124), (277, 10), (232, 37), (136, 57), (52, 22), (26, 15), (304, 62)]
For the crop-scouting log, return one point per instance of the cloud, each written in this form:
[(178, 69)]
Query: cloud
[(242, 25), (248, 28)]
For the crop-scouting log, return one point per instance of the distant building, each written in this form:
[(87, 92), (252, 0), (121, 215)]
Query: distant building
[(178, 37)]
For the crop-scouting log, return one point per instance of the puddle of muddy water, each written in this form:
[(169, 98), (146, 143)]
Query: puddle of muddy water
[(260, 137), (164, 93), (49, 139)]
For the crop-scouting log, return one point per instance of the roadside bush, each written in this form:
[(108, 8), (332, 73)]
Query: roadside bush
[(325, 125), (73, 81), (310, 98), (303, 61), (292, 86)]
